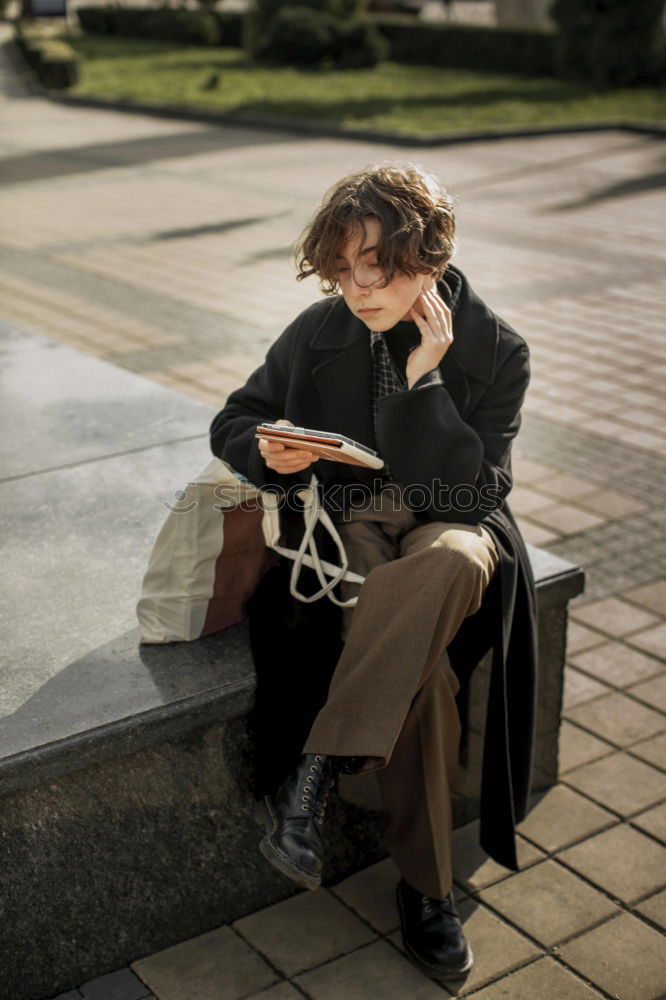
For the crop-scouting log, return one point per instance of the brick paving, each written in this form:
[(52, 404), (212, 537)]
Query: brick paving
[(165, 247)]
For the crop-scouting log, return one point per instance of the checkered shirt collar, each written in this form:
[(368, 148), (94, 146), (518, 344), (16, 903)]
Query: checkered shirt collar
[(386, 377)]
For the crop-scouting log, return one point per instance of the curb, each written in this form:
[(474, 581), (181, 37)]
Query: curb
[(318, 129), (311, 127)]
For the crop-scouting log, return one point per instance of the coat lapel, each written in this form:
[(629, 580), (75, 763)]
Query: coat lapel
[(342, 375), (475, 329)]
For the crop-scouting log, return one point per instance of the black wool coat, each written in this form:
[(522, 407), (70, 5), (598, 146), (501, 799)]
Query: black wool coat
[(451, 445)]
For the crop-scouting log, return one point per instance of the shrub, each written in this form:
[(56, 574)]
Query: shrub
[(55, 63), (610, 42), (501, 50), (357, 44), (347, 8), (303, 36), (187, 27), (175, 24), (260, 23), (58, 67), (268, 9), (94, 20), (298, 36), (230, 24), (130, 22)]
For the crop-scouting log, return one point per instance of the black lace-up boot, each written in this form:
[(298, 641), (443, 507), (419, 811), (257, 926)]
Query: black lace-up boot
[(293, 818), (432, 933)]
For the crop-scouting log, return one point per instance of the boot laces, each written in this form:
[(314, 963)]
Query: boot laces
[(316, 788), (431, 905)]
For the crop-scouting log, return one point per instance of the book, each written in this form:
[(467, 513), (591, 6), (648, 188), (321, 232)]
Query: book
[(334, 447)]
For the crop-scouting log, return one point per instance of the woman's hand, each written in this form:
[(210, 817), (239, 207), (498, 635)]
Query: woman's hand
[(433, 318), (283, 459)]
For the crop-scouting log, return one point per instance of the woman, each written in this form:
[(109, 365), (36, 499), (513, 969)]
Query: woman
[(403, 357)]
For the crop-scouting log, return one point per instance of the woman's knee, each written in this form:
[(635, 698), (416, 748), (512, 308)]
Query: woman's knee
[(471, 551)]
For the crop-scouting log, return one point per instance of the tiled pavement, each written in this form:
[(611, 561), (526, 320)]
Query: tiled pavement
[(164, 246)]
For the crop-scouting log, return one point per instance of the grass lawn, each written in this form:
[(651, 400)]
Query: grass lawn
[(407, 99)]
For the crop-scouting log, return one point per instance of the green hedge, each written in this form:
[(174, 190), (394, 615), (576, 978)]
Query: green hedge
[(502, 50), (264, 11), (55, 63), (262, 24), (531, 52), (616, 43), (232, 26), (303, 36), (189, 27)]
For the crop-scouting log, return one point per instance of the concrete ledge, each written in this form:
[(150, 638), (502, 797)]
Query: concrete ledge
[(557, 580), (136, 834), (122, 698), (125, 771)]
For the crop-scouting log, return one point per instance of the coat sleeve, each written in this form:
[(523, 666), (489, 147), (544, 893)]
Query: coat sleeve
[(261, 399), (426, 442)]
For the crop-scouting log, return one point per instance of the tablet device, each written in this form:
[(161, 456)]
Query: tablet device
[(335, 447)]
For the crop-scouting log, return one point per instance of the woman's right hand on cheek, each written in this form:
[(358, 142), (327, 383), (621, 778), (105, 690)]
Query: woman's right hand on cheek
[(282, 459)]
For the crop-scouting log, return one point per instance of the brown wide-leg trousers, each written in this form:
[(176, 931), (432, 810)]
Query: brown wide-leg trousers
[(392, 695)]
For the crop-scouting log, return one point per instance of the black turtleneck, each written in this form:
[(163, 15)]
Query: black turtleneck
[(400, 340)]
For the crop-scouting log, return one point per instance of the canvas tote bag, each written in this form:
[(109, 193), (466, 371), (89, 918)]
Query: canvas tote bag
[(214, 547)]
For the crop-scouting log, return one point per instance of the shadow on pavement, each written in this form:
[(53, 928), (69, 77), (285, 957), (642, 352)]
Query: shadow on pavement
[(212, 229), (621, 189), (42, 165)]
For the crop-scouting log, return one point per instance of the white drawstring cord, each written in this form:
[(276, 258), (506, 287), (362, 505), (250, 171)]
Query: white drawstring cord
[(313, 513)]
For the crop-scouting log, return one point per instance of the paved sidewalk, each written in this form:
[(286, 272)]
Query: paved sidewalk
[(164, 246)]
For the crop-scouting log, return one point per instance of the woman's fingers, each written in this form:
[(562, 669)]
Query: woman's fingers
[(438, 314), (433, 319), (286, 468), (437, 305), (283, 453), (267, 447), (295, 458), (429, 326), (437, 300), (283, 459), (430, 322)]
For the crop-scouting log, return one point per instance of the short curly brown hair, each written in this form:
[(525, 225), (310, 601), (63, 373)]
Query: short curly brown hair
[(416, 216)]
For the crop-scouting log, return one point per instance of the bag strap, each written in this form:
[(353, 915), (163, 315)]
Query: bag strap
[(313, 514)]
